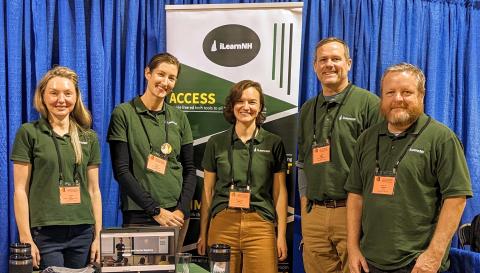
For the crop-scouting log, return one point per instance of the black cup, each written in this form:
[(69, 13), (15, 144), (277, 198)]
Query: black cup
[(20, 249), (20, 264), (219, 255)]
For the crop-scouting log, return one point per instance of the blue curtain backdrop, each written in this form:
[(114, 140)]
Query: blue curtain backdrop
[(109, 42)]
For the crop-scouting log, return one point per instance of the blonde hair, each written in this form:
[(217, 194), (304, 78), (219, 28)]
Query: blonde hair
[(80, 118)]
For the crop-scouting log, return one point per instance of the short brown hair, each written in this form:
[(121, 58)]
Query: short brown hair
[(164, 57), (410, 68), (236, 93), (331, 40)]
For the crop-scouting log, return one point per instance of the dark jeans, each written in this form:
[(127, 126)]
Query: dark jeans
[(405, 269), (65, 246)]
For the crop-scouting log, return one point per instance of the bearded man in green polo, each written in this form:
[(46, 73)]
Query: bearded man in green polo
[(407, 186)]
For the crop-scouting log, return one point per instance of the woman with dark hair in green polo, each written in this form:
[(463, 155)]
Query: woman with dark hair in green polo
[(58, 207), (151, 147), (244, 186)]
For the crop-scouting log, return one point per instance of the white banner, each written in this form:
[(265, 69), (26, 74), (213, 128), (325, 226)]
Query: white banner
[(219, 45)]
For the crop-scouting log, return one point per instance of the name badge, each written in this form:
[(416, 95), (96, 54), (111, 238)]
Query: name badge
[(239, 199), (70, 195), (156, 164), (383, 185), (320, 154)]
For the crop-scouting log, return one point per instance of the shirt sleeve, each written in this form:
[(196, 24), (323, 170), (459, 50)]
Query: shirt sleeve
[(302, 179), (117, 130), (95, 155), (208, 161), (280, 157), (373, 112), (301, 137), (452, 171), (187, 136), (189, 179), (22, 149), (120, 156), (354, 181)]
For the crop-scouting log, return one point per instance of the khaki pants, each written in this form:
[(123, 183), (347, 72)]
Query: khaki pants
[(325, 240), (251, 238)]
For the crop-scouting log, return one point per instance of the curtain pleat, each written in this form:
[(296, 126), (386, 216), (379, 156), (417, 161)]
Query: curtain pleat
[(109, 42)]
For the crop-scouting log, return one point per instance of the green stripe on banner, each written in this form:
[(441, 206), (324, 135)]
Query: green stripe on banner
[(281, 55), (274, 50), (290, 59)]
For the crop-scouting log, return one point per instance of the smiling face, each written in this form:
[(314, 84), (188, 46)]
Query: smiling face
[(401, 102), (59, 97), (247, 108), (161, 80), (332, 66)]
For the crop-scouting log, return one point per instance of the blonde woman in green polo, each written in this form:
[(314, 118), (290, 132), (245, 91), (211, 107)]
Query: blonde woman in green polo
[(58, 207)]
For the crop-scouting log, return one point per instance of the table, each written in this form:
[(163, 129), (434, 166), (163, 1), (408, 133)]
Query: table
[(193, 269), (197, 269)]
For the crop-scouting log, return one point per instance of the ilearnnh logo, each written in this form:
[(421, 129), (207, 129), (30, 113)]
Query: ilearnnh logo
[(231, 45)]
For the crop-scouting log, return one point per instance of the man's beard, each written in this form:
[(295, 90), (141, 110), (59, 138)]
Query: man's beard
[(403, 118)]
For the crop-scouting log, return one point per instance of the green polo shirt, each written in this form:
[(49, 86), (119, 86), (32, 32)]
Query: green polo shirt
[(268, 158), (125, 126), (34, 144), (358, 112), (396, 229)]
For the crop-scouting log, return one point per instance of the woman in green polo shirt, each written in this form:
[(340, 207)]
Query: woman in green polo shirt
[(57, 200), (244, 186), (151, 146)]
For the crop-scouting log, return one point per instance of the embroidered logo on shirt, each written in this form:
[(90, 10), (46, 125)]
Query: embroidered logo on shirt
[(416, 151), (342, 117), (260, 150), (171, 122), (83, 142)]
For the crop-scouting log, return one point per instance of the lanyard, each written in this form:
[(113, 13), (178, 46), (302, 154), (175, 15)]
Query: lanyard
[(165, 125), (410, 143), (347, 92), (60, 161), (250, 157)]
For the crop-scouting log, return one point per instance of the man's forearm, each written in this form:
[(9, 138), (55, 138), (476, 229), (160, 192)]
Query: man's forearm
[(354, 218), (448, 221)]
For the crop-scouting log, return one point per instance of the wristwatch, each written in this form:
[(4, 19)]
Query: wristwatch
[(154, 212)]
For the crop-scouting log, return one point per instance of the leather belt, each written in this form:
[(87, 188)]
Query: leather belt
[(241, 209), (331, 203)]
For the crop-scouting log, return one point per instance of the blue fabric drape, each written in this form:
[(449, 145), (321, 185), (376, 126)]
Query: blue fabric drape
[(109, 42)]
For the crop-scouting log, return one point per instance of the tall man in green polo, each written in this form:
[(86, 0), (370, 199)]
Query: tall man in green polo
[(330, 124), (408, 184)]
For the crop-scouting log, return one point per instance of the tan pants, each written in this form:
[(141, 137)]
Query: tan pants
[(251, 238), (325, 240)]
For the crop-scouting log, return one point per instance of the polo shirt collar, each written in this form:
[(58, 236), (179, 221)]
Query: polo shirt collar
[(258, 138), (338, 98), (45, 127), (414, 129), (140, 107)]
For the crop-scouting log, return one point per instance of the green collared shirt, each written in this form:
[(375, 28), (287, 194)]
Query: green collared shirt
[(268, 158), (126, 126), (34, 144), (396, 229), (358, 112)]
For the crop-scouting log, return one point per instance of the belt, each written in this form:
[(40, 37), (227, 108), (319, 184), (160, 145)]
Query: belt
[(241, 209), (331, 203)]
